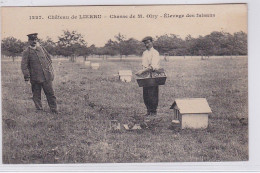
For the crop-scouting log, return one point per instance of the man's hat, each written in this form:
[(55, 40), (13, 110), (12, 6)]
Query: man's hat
[(32, 36), (147, 38)]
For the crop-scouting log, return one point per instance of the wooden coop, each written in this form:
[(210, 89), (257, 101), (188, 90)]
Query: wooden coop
[(114, 125), (95, 66), (87, 63), (125, 75), (191, 113)]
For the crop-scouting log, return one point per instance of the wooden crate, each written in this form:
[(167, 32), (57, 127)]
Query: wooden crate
[(147, 82)]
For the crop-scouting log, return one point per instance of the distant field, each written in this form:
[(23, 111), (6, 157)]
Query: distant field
[(88, 99)]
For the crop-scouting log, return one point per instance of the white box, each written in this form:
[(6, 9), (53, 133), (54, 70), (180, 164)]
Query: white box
[(125, 75), (87, 63), (95, 66)]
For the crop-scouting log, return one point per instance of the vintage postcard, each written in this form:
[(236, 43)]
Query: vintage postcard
[(124, 84)]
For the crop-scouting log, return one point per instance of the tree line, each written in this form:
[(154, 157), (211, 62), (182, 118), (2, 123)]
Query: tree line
[(72, 44)]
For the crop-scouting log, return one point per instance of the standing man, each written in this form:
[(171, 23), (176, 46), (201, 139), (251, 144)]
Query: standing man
[(150, 62), (36, 67)]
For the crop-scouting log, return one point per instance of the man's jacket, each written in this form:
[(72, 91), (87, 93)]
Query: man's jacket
[(36, 65)]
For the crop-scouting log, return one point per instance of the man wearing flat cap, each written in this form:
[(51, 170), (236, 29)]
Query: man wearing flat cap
[(37, 68), (150, 62)]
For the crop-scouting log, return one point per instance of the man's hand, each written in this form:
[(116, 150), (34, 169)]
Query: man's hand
[(150, 67), (140, 72)]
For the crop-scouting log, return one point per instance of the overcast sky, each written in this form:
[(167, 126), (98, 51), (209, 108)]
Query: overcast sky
[(16, 21)]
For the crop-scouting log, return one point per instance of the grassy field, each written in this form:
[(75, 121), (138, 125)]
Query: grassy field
[(89, 99)]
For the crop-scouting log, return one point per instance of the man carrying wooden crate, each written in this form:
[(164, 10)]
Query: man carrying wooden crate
[(150, 62)]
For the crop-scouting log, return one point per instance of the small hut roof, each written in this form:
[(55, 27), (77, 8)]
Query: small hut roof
[(192, 105)]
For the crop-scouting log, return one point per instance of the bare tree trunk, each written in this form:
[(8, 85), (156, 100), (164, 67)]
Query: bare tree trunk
[(72, 58)]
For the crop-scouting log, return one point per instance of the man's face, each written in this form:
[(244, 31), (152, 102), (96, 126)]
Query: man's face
[(32, 42), (148, 44)]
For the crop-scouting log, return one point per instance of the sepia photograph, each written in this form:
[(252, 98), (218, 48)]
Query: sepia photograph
[(124, 84)]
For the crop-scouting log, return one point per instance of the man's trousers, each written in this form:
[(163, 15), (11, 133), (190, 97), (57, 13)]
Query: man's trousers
[(49, 92), (150, 96)]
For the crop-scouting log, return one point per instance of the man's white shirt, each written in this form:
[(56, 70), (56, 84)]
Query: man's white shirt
[(151, 58)]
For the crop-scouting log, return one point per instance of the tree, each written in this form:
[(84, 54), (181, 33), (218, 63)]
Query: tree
[(81, 50), (171, 44), (202, 46), (10, 46), (71, 44), (132, 47), (121, 39), (189, 42), (101, 51), (49, 45), (240, 43), (112, 48), (218, 43), (92, 49)]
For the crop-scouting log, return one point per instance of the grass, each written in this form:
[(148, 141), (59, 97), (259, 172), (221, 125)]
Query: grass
[(88, 99)]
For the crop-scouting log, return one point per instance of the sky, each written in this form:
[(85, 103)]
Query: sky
[(156, 20)]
